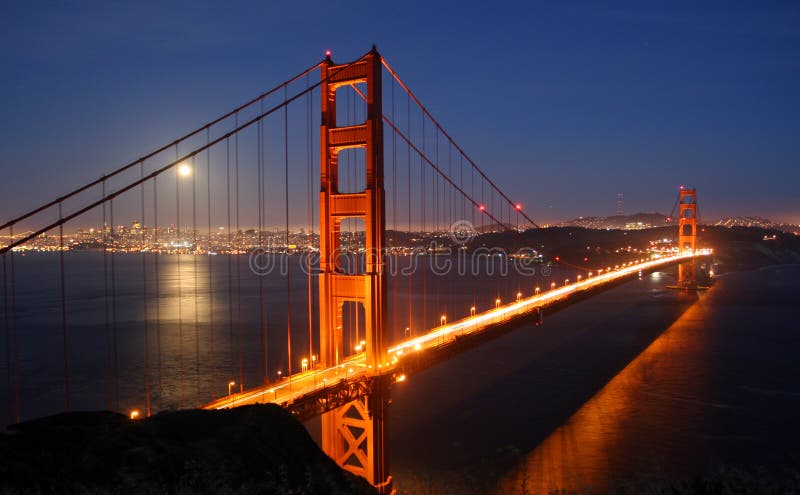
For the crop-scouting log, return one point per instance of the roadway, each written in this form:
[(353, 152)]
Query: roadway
[(313, 380)]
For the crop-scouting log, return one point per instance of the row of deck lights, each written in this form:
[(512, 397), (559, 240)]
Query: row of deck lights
[(443, 321), (537, 290)]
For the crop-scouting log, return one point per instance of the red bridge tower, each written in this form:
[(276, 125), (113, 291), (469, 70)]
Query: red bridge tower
[(353, 435), (687, 235)]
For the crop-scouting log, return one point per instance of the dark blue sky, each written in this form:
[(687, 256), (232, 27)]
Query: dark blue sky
[(563, 103)]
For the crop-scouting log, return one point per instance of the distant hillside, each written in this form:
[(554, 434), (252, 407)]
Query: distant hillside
[(635, 221), (760, 222)]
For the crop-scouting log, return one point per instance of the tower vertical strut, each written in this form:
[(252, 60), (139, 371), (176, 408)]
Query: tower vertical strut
[(353, 435)]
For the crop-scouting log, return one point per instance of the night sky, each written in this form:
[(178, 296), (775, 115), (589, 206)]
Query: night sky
[(564, 104)]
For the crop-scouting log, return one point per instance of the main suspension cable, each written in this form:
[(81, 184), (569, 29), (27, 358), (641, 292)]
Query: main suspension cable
[(460, 150), (166, 147)]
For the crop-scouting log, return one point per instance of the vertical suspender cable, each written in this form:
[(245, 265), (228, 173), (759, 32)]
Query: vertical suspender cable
[(450, 211), (109, 382), (451, 203), (422, 213), (196, 289), (483, 203), (115, 371), (144, 300), (437, 212), (262, 215), (474, 272), (286, 211), (231, 354), (179, 245), (310, 210), (14, 330), (211, 329), (412, 258), (158, 289), (393, 273), (261, 320), (239, 328), (9, 402), (463, 185), (6, 319), (63, 307)]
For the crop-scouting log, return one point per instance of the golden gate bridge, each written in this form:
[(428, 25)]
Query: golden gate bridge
[(379, 186)]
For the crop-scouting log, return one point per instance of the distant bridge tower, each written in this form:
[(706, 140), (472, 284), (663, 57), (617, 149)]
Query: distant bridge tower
[(353, 435), (620, 209), (687, 234)]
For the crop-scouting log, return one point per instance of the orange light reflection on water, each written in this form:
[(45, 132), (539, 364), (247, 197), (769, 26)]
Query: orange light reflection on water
[(596, 449)]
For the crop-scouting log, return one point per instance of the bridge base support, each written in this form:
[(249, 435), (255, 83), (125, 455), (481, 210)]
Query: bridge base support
[(354, 435), (688, 276)]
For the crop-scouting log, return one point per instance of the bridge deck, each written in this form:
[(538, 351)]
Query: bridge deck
[(315, 384)]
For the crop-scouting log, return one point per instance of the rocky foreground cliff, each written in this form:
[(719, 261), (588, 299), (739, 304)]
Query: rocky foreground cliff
[(255, 449)]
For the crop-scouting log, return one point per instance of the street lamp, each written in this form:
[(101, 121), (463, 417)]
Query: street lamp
[(536, 291), (230, 385), (135, 414), (566, 281), (552, 285), (497, 303), (279, 374), (472, 311), (443, 320), (304, 365), (579, 278), (519, 296)]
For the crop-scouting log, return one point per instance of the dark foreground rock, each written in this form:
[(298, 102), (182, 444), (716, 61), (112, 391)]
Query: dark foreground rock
[(254, 449)]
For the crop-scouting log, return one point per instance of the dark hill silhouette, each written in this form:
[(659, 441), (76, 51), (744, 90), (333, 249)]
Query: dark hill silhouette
[(253, 449)]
